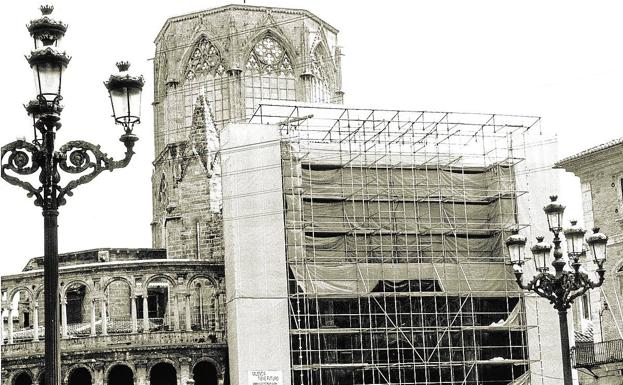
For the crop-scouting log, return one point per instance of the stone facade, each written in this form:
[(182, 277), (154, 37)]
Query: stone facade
[(600, 171), (106, 329), (215, 67)]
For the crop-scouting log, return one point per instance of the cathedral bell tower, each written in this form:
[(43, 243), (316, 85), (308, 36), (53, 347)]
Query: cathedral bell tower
[(212, 68)]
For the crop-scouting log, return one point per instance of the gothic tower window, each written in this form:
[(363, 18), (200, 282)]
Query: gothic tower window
[(323, 83), (269, 74), (205, 75)]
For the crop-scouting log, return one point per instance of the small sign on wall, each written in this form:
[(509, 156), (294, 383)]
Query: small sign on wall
[(265, 377)]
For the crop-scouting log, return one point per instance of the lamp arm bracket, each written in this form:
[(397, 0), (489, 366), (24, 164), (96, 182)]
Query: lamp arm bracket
[(23, 158), (77, 157), (583, 284), (542, 284)]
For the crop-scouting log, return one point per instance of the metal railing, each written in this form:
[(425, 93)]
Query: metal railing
[(586, 355)]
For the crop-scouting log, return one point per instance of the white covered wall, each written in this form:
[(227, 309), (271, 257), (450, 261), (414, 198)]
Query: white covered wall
[(257, 305), (536, 176)]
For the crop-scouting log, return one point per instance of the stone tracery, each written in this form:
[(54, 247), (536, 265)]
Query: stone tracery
[(205, 59), (268, 56)]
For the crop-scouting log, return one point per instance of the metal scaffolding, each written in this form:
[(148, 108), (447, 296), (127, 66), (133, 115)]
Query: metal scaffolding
[(395, 222)]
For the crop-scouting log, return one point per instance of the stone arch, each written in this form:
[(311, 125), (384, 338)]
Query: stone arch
[(73, 371), (38, 293), (195, 277), (41, 377), (323, 83), (190, 50), (25, 308), (161, 360), (281, 39), (206, 372), (118, 279), (324, 48), (20, 373), (161, 300), (119, 294), (76, 302), (210, 360), (17, 290), (129, 369), (202, 302), (163, 372), (167, 277), (72, 283), (270, 70)]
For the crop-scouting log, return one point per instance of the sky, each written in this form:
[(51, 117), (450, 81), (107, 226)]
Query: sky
[(561, 60)]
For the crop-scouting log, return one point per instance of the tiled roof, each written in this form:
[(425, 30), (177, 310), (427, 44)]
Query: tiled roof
[(592, 150)]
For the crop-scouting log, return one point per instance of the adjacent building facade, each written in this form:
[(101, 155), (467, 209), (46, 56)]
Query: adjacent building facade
[(600, 314)]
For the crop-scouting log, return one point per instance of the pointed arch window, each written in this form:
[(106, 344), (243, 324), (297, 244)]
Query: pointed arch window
[(205, 59), (204, 75), (269, 74), (323, 83)]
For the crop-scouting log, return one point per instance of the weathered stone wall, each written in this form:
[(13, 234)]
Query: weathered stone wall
[(601, 175), (99, 355), (202, 73)]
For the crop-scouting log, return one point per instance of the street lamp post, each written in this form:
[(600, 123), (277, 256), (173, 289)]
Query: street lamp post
[(21, 159), (567, 282)]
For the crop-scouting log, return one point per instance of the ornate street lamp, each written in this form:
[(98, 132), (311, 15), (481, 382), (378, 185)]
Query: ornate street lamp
[(565, 284), (21, 158)]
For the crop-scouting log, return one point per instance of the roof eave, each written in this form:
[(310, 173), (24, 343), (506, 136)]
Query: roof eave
[(191, 15)]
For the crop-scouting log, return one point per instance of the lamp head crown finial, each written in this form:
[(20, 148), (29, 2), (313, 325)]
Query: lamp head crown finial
[(540, 238), (573, 222), (595, 230), (553, 198), (46, 9), (123, 65)]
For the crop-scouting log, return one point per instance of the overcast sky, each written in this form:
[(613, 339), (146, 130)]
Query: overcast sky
[(560, 60)]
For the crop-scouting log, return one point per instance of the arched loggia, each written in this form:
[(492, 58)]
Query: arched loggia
[(163, 373), (205, 373), (120, 375), (79, 376)]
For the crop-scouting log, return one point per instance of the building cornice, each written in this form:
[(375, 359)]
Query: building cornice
[(116, 265), (575, 163), (243, 7)]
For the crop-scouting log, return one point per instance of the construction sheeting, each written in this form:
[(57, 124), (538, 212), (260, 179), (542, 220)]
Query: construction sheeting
[(408, 183), (413, 247), (362, 278), (336, 216)]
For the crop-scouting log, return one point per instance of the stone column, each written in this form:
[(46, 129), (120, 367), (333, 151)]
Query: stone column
[(176, 313), (142, 377), (35, 322), (98, 375), (10, 328), (145, 314), (93, 318), (185, 370), (188, 315), (64, 317), (104, 316), (2, 331), (133, 313), (236, 94), (217, 313)]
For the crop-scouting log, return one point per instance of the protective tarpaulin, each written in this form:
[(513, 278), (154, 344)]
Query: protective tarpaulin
[(407, 216), (513, 318), (362, 278), (406, 248), (407, 182)]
